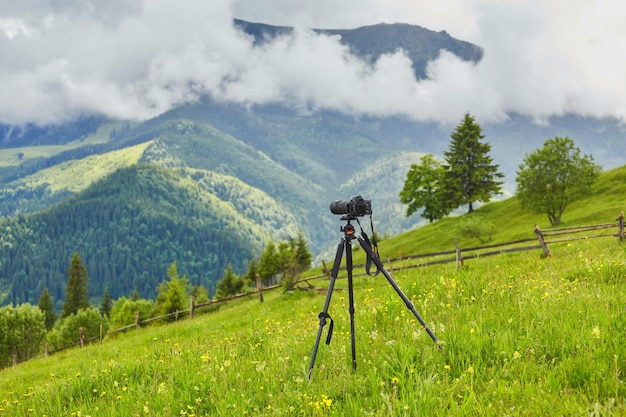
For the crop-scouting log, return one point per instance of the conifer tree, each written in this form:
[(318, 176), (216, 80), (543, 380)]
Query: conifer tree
[(76, 293), (173, 294), (303, 255), (46, 304), (268, 265), (230, 284), (470, 173), (250, 277), (106, 304)]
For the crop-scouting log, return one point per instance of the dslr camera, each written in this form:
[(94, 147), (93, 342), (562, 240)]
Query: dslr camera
[(356, 207)]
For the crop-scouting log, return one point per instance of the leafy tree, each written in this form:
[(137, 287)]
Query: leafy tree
[(423, 187), (105, 305), (173, 294), (123, 311), (46, 304), (23, 331), (66, 331), (470, 173), (552, 177), (76, 293), (230, 284)]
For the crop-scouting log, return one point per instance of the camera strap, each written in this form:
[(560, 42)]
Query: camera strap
[(373, 245), (324, 316)]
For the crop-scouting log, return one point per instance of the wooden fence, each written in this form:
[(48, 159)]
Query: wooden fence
[(463, 254), (543, 238), (568, 234)]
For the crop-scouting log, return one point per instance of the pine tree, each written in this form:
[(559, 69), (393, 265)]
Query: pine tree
[(470, 173), (303, 255), (250, 277), (268, 265), (230, 284), (46, 304), (76, 293), (106, 304), (173, 294)]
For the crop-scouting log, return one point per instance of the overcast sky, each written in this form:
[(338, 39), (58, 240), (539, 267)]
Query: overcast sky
[(135, 59)]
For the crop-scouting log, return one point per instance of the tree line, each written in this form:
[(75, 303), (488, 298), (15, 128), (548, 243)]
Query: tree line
[(548, 180), (26, 327)]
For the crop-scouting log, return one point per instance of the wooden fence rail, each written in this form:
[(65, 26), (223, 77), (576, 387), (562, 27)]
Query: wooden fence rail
[(573, 233)]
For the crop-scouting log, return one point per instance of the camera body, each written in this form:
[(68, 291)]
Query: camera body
[(356, 207)]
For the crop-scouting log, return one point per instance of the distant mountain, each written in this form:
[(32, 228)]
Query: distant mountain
[(208, 183), (370, 42)]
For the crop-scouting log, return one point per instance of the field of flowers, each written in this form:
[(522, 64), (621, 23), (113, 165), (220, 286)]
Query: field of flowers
[(521, 335)]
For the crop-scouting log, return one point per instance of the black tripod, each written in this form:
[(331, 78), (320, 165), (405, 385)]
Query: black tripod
[(346, 244)]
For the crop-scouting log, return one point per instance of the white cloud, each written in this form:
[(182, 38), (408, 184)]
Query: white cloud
[(137, 58)]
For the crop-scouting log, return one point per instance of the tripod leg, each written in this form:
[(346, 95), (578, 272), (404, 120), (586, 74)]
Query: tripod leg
[(351, 301), (408, 303), (324, 314)]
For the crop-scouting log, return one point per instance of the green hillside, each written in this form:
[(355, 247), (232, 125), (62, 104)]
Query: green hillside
[(51, 185), (128, 228), (512, 222), (520, 335)]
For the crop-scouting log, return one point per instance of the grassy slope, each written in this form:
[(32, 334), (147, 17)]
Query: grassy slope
[(512, 223), (9, 156), (75, 176), (523, 335)]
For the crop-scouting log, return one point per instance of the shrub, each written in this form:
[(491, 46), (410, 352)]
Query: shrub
[(66, 330)]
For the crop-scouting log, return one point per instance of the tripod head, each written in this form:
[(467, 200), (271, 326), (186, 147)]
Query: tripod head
[(348, 229)]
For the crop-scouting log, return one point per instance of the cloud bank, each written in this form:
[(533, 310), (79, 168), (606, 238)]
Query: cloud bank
[(135, 59)]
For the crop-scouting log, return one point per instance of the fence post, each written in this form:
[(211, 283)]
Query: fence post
[(81, 334), (136, 319), (47, 349), (459, 255), (542, 241), (192, 299), (14, 357), (325, 269), (259, 287), (621, 226)]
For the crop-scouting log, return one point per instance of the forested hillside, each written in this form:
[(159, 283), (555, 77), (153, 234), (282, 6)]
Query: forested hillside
[(128, 228)]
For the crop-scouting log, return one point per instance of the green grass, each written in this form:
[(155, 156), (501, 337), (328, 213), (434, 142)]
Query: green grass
[(522, 335)]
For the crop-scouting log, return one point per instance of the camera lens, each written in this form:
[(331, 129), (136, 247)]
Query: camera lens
[(339, 207)]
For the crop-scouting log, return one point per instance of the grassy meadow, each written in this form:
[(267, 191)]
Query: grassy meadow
[(521, 335)]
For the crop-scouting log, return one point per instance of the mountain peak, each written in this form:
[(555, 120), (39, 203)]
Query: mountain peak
[(370, 42)]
